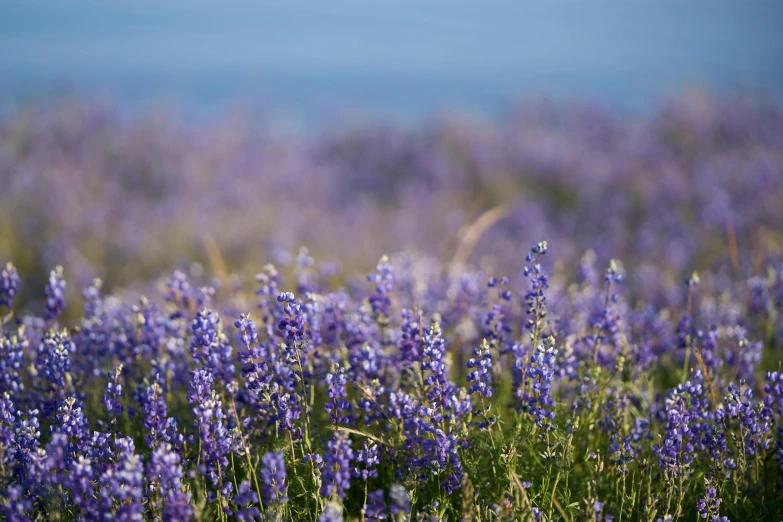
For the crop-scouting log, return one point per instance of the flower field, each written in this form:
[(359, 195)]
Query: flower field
[(578, 319)]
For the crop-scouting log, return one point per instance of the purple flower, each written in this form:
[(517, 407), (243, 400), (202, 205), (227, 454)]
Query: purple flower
[(336, 475), (400, 501), (368, 456), (481, 376), (158, 426), (56, 352), (12, 349), (122, 485), (410, 340), (210, 348), (441, 391), (292, 324), (380, 301), (28, 462), (91, 295), (533, 392), (55, 294), (7, 437), (337, 406), (164, 475), (333, 512), (113, 394), (216, 441), (682, 411), (249, 333), (71, 423), (9, 285), (273, 476), (375, 508), (246, 501), (535, 297)]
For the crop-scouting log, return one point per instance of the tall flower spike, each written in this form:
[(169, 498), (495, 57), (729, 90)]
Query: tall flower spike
[(12, 349), (481, 376), (333, 512), (368, 456), (158, 427), (164, 476), (9, 285), (375, 508), (210, 348), (337, 406), (92, 299), (273, 476), (380, 301), (113, 394), (56, 365), (337, 466), (55, 294), (293, 324), (122, 485), (534, 395), (400, 502), (535, 297), (216, 441)]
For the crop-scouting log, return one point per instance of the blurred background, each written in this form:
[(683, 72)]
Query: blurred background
[(137, 137), (403, 61)]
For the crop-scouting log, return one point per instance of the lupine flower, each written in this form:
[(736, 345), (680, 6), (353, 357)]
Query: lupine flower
[(248, 329), (113, 394), (55, 294), (246, 501), (12, 349), (56, 352), (535, 297), (333, 512), (292, 325), (92, 300), (71, 423), (9, 286), (481, 375), (375, 508), (441, 457), (209, 347), (442, 393), (18, 506), (495, 329), (180, 291), (7, 436), (158, 426), (273, 476), (216, 440), (28, 459), (122, 485), (709, 505), (400, 501), (410, 340), (681, 413), (380, 301), (534, 393), (368, 458), (336, 478), (164, 474), (337, 406)]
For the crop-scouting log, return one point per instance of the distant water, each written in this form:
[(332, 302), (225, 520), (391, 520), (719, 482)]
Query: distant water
[(403, 59)]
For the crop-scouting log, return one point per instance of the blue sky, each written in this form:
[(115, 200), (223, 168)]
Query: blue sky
[(404, 59)]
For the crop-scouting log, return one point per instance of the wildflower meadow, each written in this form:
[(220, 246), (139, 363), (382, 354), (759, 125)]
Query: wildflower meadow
[(569, 316)]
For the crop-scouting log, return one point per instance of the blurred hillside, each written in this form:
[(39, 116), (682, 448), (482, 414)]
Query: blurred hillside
[(698, 182)]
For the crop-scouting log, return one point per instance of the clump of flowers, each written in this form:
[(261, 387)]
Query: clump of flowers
[(422, 395)]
